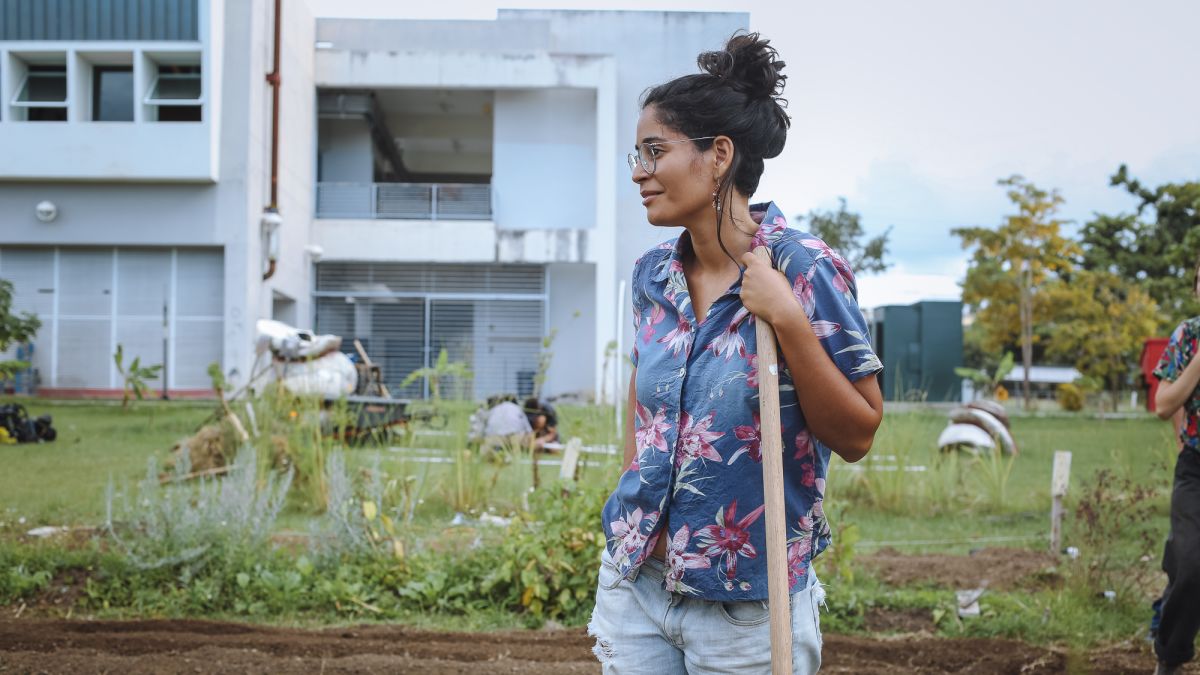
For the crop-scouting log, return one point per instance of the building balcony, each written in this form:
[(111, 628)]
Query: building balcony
[(404, 201)]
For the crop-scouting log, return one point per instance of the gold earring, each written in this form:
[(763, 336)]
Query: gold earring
[(716, 195)]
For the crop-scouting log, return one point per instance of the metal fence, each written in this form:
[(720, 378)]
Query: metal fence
[(405, 201)]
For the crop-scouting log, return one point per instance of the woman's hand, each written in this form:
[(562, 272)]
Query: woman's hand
[(766, 291)]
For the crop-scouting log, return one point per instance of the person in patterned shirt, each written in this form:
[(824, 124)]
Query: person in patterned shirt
[(682, 583), (1179, 373)]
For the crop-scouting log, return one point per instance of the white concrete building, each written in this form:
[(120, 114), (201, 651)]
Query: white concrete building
[(455, 185)]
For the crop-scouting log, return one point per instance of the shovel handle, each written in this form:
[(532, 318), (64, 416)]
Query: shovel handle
[(771, 436)]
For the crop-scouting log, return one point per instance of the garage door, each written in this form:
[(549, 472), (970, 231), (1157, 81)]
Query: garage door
[(92, 299)]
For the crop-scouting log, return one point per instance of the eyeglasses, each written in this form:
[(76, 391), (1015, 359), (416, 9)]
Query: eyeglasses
[(647, 154)]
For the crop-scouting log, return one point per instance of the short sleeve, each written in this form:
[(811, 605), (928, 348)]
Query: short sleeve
[(824, 285), (1173, 359)]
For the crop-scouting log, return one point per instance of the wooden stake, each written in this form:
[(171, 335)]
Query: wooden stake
[(1058, 489), (570, 459), (772, 461)]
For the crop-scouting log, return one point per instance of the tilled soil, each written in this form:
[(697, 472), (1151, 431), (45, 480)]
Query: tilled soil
[(182, 646), (996, 568)]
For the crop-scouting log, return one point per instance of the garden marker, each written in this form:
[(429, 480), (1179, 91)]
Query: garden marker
[(772, 462)]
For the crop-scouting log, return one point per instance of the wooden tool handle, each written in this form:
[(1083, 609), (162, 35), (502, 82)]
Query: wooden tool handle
[(771, 437)]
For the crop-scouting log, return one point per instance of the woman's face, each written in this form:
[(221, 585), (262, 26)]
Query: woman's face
[(680, 189)]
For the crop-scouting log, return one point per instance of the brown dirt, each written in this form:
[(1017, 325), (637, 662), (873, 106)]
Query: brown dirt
[(181, 646), (998, 568)]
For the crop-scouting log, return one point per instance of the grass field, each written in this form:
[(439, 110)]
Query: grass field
[(64, 482)]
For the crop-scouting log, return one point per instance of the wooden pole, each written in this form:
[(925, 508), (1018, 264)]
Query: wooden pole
[(772, 461), (1058, 490)]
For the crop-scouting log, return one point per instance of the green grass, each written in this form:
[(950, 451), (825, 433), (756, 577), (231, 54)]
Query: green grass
[(946, 509), (64, 481)]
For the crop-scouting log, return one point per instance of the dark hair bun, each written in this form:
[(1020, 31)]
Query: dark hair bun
[(749, 64)]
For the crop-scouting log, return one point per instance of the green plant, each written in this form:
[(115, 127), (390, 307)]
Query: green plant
[(134, 377), (441, 370), (14, 329), (984, 382), (545, 357), (549, 554), (991, 471)]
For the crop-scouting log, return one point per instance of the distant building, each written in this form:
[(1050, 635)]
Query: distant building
[(456, 185), (920, 346)]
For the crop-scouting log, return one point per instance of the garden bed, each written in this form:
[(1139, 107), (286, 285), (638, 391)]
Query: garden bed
[(212, 647)]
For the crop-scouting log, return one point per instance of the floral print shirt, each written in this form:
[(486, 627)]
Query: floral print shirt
[(1179, 352), (697, 474)]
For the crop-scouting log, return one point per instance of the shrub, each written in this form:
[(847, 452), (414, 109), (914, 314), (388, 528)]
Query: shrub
[(1070, 397), (187, 526)]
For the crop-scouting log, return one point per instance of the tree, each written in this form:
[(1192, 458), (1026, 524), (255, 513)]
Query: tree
[(843, 231), (1011, 265), (1100, 322), (14, 329), (1159, 254)]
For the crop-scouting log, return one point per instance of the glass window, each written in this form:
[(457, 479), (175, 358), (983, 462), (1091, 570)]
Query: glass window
[(44, 84), (43, 93), (176, 93), (112, 94)]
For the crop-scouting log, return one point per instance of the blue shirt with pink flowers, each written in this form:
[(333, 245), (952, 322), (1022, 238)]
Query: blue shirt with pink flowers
[(696, 477)]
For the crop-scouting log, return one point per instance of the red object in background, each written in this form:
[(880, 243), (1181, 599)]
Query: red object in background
[(1151, 352)]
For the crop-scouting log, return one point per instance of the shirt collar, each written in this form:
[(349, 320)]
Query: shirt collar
[(770, 221)]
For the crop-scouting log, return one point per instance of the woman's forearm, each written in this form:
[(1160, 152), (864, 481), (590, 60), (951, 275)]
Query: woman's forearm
[(842, 414), (1171, 396)]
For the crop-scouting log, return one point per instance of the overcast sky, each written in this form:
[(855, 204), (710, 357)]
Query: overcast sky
[(912, 111)]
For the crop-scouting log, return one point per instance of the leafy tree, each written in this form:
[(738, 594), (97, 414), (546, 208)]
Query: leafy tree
[(442, 369), (843, 231), (1011, 265), (14, 329), (1157, 246), (1100, 323)]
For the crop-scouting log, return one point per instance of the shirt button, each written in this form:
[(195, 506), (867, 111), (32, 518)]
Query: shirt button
[(682, 372)]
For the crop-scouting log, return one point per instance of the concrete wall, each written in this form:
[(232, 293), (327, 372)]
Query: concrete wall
[(572, 312), (544, 166), (345, 151), (648, 48)]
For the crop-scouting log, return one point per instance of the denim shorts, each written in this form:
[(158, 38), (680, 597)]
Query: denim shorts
[(640, 627)]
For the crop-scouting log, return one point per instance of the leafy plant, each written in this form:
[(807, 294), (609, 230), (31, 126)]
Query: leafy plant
[(134, 377), (440, 371), (989, 384), (14, 329)]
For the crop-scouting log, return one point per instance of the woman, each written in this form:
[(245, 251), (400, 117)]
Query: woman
[(682, 584), (1179, 372)]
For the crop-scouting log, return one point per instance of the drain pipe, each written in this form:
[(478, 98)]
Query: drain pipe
[(271, 219)]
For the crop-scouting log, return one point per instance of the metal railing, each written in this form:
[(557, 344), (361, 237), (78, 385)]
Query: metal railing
[(406, 201)]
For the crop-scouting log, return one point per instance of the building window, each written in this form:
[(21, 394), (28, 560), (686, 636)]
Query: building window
[(175, 94), (112, 94), (43, 94)]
